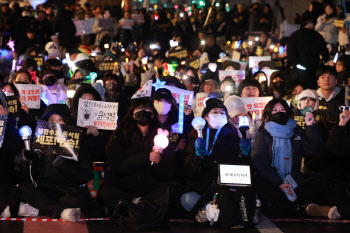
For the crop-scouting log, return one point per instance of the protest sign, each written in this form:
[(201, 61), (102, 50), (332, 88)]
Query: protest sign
[(13, 104), (144, 91), (268, 74), (39, 60), (236, 75), (30, 95), (300, 118), (102, 115), (127, 23), (74, 84), (105, 66), (55, 139), (139, 18), (256, 105), (254, 60), (242, 63), (84, 26), (106, 23), (200, 97), (3, 122), (204, 59), (194, 62), (177, 92), (128, 65), (236, 55), (180, 53), (98, 173)]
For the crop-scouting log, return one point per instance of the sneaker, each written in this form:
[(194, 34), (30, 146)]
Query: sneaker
[(27, 210), (317, 210), (202, 216), (333, 213), (6, 213), (71, 215)]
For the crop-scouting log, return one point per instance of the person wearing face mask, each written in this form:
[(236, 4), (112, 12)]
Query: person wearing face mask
[(218, 145), (277, 87), (52, 91), (279, 147), (129, 151), (168, 115), (56, 186), (113, 85), (22, 115)]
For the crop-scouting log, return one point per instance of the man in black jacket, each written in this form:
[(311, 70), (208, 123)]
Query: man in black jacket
[(304, 49)]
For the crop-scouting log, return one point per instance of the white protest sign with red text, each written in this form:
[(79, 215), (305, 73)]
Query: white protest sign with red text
[(177, 92), (200, 98), (30, 95), (256, 105), (236, 75), (254, 60)]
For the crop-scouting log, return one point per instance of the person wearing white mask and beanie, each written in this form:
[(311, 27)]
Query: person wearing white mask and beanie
[(220, 144), (53, 50)]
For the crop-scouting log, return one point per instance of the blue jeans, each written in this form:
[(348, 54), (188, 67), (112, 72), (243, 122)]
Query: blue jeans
[(189, 200)]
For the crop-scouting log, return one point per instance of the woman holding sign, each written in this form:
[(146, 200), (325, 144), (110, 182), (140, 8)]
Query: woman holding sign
[(56, 186)]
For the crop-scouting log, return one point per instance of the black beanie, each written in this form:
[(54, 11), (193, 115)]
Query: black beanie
[(213, 103)]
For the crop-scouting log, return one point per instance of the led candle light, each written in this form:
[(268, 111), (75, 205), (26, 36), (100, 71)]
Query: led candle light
[(198, 124), (25, 132), (127, 59), (70, 93), (161, 141), (253, 117), (181, 113)]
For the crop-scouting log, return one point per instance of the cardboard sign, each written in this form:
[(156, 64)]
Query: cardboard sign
[(13, 105), (194, 63), (287, 29), (204, 59), (39, 60), (181, 54), (139, 18), (94, 184), (200, 97), (242, 63), (256, 105), (56, 139), (102, 115), (236, 55), (30, 95), (236, 75), (105, 23), (3, 123), (268, 74), (84, 26), (177, 92), (105, 66), (254, 60), (127, 24)]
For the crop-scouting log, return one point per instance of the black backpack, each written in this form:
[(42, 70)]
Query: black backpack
[(237, 206), (145, 212)]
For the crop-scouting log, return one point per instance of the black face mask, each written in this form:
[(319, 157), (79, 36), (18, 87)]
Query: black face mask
[(50, 81), (280, 118), (22, 83), (143, 117)]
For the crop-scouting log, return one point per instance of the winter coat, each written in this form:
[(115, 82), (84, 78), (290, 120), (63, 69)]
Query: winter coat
[(304, 143), (203, 171), (305, 47), (327, 30)]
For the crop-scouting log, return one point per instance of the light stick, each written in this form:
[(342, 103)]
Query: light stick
[(161, 141), (181, 113), (198, 124), (26, 132)]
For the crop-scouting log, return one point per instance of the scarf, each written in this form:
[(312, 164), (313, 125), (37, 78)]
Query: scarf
[(282, 146)]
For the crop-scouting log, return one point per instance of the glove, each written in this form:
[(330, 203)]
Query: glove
[(200, 146), (245, 146), (28, 155)]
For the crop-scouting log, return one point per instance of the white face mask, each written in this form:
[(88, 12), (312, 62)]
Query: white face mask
[(162, 107), (8, 93), (217, 120)]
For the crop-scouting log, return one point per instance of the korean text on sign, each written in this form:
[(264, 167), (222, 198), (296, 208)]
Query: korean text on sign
[(102, 115), (30, 95), (256, 105)]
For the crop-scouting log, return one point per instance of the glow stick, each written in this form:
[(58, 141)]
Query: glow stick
[(181, 113), (198, 124)]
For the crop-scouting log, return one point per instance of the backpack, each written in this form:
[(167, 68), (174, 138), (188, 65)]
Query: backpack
[(237, 206), (143, 212)]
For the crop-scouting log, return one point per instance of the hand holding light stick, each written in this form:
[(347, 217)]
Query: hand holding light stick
[(161, 141), (198, 124), (26, 133)]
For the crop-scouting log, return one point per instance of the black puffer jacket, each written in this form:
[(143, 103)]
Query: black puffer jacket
[(202, 171), (304, 143)]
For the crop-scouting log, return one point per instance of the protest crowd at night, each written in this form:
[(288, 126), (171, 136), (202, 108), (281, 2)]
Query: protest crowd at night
[(214, 112)]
